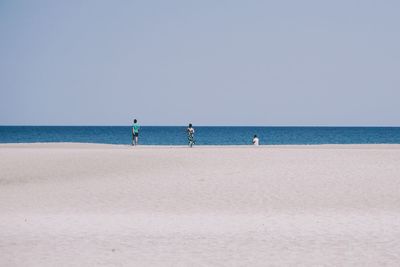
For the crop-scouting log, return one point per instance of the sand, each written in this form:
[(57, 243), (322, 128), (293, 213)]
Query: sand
[(110, 205)]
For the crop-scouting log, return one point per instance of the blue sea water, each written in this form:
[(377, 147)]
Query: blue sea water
[(205, 135)]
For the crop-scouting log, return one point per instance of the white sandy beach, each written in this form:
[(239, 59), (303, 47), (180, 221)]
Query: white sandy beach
[(109, 205)]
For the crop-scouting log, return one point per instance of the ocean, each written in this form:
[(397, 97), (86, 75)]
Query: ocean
[(204, 135)]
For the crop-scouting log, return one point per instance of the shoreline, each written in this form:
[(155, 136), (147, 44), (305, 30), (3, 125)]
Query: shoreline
[(286, 146)]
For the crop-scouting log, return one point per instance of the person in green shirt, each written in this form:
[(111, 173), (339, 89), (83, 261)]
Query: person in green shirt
[(135, 133)]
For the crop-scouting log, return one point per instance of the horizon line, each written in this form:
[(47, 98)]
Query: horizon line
[(201, 125)]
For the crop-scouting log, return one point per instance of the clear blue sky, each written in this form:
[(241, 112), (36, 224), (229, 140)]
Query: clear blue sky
[(205, 62)]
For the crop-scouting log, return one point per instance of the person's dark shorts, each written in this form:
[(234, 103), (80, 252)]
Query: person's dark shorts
[(135, 134)]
